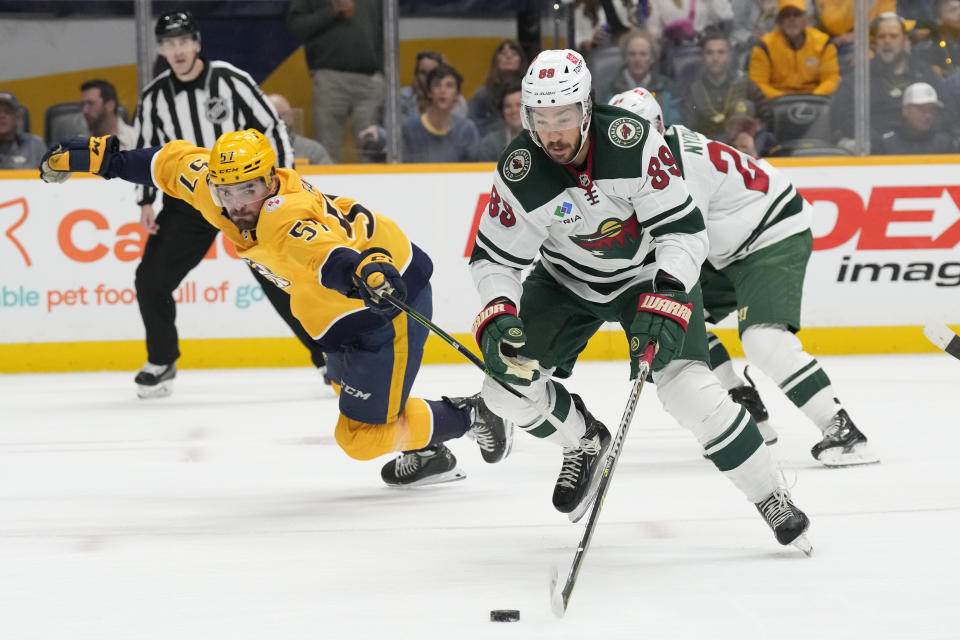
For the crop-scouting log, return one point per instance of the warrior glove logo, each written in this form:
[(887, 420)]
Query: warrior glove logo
[(517, 165)]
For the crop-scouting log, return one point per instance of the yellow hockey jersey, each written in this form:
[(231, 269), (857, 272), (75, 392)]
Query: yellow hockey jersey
[(305, 242)]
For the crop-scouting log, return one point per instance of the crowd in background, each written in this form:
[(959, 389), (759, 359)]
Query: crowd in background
[(771, 77)]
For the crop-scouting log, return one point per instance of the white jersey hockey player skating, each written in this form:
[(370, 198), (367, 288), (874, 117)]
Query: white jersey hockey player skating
[(593, 199), (760, 243)]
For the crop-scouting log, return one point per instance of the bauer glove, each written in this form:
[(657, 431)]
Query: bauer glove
[(375, 275), (499, 332), (661, 317), (78, 153)]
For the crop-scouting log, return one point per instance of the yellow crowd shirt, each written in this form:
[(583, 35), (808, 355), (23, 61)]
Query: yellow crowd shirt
[(305, 242), (779, 69)]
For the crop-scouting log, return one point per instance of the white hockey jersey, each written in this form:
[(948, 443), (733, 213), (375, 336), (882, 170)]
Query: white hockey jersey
[(597, 231), (747, 203)]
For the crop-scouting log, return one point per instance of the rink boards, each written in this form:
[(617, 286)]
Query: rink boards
[(885, 262)]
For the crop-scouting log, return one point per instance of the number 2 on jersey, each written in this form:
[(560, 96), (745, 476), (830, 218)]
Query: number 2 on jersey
[(758, 181)]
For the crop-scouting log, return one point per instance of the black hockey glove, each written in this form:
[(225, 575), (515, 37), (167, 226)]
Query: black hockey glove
[(375, 274), (78, 153), (499, 332), (661, 317)]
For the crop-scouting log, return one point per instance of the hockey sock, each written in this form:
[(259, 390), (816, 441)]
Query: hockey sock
[(565, 425), (448, 421), (780, 355), (721, 364)]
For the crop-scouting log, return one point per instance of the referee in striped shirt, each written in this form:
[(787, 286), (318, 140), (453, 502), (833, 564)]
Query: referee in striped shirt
[(196, 100)]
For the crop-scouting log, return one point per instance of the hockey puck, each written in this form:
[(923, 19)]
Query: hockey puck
[(504, 615)]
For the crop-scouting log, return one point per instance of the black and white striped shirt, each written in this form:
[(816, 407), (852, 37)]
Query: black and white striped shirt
[(222, 98)]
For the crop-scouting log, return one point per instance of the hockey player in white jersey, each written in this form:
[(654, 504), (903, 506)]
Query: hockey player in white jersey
[(596, 195), (760, 244)]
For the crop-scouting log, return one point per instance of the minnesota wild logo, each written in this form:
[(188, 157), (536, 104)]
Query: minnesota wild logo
[(624, 132), (517, 165), (614, 239)]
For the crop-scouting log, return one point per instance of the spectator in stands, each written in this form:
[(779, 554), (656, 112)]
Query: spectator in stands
[(745, 132), (413, 98), (942, 49), (438, 135), (508, 127), (677, 23), (721, 91), (752, 19), (18, 150), (343, 42), (794, 57), (303, 147), (100, 104), (835, 18), (640, 54), (506, 67), (892, 70), (918, 132)]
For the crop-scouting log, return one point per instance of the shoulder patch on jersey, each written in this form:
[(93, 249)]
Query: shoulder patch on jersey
[(517, 165), (272, 204), (625, 132)]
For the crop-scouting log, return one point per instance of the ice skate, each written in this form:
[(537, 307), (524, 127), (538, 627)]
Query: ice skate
[(434, 464), (788, 523), (582, 467), (747, 396), (494, 436), (155, 380), (843, 444)]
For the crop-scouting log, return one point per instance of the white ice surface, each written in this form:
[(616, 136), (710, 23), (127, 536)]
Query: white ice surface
[(227, 511)]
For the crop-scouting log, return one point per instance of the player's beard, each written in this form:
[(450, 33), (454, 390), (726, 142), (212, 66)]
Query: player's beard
[(561, 154), (244, 222)]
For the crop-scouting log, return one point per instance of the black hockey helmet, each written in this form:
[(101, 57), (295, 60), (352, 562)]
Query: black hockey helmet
[(176, 23)]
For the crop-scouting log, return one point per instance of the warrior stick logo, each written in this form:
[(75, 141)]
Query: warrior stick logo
[(517, 165), (624, 132), (613, 239)]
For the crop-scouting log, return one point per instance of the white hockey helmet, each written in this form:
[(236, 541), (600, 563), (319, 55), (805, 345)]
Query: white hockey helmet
[(555, 78), (641, 102)]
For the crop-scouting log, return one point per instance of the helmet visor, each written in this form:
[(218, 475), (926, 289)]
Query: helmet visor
[(561, 118), (240, 194)]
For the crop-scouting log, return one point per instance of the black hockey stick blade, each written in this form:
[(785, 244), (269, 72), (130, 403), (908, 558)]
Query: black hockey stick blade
[(943, 337)]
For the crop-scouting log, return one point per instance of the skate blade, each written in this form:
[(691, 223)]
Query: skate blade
[(803, 544), (160, 390), (839, 457), (449, 476), (509, 446)]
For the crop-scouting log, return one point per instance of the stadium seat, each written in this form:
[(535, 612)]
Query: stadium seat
[(62, 120), (800, 116)]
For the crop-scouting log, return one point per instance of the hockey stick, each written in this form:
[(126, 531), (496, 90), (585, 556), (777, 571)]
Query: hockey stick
[(449, 339), (459, 346), (560, 594), (943, 337)]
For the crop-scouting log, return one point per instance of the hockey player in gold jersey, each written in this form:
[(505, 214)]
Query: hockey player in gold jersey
[(334, 257)]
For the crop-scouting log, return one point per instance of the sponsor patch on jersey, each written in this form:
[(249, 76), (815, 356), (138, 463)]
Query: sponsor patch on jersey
[(625, 132), (215, 109), (517, 165), (565, 209), (273, 204)]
